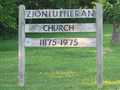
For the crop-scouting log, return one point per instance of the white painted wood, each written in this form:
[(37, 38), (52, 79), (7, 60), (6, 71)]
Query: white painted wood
[(60, 13), (68, 27), (99, 22), (21, 45), (82, 42)]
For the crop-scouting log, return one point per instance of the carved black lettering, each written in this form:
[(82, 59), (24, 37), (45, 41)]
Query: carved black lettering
[(55, 15), (90, 13), (33, 13), (60, 27), (44, 14), (49, 13), (50, 27), (28, 13), (83, 13), (44, 27), (37, 13), (76, 13), (66, 13), (71, 13), (66, 27), (60, 13), (71, 27), (55, 27)]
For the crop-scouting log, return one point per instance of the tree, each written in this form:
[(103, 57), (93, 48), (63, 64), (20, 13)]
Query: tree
[(112, 10), (8, 16)]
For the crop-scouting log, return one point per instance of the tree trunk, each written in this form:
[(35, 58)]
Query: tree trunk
[(77, 4), (116, 34)]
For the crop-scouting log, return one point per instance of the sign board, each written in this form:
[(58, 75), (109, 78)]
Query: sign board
[(60, 42), (66, 27), (60, 13)]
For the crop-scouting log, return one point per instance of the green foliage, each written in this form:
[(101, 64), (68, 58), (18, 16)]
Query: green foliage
[(7, 32), (8, 14), (87, 3), (56, 4), (102, 1), (112, 11)]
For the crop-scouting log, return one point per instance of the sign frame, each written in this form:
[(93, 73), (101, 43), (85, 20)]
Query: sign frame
[(99, 39)]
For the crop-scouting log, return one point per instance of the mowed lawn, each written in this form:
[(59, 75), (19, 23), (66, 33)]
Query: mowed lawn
[(60, 68)]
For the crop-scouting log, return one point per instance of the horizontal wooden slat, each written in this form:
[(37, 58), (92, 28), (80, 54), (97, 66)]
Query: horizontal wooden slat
[(73, 27), (60, 42), (60, 13)]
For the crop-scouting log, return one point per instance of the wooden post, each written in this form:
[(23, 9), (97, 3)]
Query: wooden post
[(99, 22), (21, 45)]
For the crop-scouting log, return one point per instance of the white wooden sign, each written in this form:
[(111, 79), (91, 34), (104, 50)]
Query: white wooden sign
[(66, 27), (60, 42), (60, 13)]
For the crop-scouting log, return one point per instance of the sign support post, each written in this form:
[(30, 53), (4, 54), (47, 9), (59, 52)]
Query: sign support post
[(61, 42), (21, 45), (99, 22)]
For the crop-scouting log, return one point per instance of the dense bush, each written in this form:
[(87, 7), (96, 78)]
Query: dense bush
[(7, 32)]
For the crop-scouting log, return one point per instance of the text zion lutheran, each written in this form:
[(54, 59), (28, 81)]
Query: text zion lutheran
[(59, 13)]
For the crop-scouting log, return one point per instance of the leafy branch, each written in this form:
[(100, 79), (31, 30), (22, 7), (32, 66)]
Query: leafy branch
[(112, 11)]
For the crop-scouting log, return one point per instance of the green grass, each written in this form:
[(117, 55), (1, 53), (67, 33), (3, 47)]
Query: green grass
[(53, 68)]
